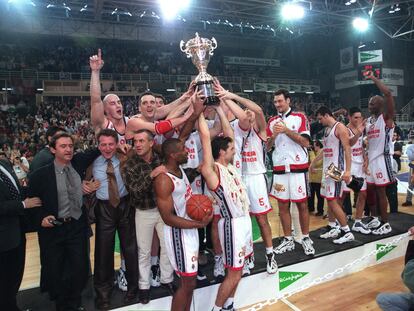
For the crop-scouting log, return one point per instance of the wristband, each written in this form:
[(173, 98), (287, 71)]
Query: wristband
[(163, 127)]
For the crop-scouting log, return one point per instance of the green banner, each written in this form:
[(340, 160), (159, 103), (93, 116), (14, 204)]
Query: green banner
[(385, 252), (286, 278)]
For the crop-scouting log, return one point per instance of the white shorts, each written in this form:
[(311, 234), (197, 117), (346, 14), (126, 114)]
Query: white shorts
[(235, 236), (380, 171), (290, 187), (358, 171), (182, 249), (256, 186), (331, 189)]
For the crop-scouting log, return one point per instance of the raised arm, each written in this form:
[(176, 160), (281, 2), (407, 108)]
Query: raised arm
[(225, 124), (389, 99), (207, 167), (197, 101), (165, 110), (358, 133), (98, 118), (164, 188)]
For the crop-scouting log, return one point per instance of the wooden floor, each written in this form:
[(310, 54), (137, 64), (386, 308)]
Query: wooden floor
[(355, 292)]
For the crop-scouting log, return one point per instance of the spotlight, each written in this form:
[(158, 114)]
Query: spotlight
[(170, 9), (352, 1), (292, 11), (347, 3), (397, 8), (360, 24)]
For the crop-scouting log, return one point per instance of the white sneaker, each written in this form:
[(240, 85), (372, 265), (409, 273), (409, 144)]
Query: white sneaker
[(155, 276), (218, 267), (251, 262), (285, 246), (271, 264), (332, 232), (383, 229), (121, 280), (373, 224), (246, 270), (344, 237), (360, 227), (307, 245)]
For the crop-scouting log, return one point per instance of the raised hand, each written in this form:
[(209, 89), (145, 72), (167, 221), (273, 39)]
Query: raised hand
[(96, 62)]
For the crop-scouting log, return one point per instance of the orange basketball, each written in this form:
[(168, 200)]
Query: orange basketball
[(198, 205)]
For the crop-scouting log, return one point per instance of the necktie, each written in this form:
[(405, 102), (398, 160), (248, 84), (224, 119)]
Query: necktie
[(112, 185), (14, 192)]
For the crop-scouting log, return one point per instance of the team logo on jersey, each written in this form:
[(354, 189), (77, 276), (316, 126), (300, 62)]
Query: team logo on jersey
[(194, 258)]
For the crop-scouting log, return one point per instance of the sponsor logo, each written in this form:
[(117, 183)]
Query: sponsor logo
[(385, 252), (286, 278)]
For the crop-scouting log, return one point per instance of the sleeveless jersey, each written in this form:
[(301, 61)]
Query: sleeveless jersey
[(253, 154), (230, 194), (333, 151), (379, 137), (357, 150), (121, 137), (181, 193), (239, 136), (193, 147)]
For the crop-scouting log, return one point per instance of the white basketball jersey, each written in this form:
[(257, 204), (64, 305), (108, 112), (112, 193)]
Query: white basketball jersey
[(121, 137), (253, 154), (357, 150), (181, 193), (379, 137), (333, 151), (230, 194), (239, 136), (193, 147)]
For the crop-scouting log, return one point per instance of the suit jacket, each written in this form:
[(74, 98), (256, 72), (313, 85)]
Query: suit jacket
[(11, 214), (42, 184)]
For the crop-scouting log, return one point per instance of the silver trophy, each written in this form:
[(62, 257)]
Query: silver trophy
[(200, 50), (336, 174)]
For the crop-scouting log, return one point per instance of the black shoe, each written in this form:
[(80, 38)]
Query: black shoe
[(102, 304), (130, 296), (319, 214), (407, 203), (144, 296), (170, 287), (201, 276)]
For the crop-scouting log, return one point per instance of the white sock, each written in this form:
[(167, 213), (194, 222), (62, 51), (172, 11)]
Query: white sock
[(123, 267), (228, 302), (215, 308), (345, 228), (332, 224), (289, 237), (305, 236), (269, 250), (155, 261)]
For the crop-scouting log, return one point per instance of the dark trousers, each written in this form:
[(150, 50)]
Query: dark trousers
[(205, 234), (65, 262), (392, 196), (315, 190), (11, 274), (109, 220), (347, 203)]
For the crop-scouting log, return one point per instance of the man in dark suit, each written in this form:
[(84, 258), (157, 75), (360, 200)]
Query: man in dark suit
[(63, 233), (12, 238)]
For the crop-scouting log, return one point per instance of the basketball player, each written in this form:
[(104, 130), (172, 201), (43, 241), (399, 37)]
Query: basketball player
[(234, 226), (253, 168), (181, 237), (336, 150), (289, 134), (380, 128), (356, 129)]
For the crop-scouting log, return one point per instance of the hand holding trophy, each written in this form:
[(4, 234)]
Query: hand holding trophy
[(336, 174), (200, 50)]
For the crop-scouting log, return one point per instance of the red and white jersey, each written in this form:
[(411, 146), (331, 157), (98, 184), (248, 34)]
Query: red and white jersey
[(181, 193), (121, 137), (239, 137), (357, 150), (193, 147), (253, 154), (230, 194), (333, 152), (289, 156), (379, 137)]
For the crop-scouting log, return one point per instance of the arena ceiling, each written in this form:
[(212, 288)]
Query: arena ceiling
[(240, 18)]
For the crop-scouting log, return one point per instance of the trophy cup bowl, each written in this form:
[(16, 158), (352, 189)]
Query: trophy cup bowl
[(336, 174), (200, 50)]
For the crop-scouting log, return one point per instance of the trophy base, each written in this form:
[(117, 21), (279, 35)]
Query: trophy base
[(208, 92), (356, 183)]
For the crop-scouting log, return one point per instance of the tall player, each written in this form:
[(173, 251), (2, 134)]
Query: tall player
[(234, 226), (181, 237), (336, 150), (289, 134), (380, 128), (356, 129), (253, 168)]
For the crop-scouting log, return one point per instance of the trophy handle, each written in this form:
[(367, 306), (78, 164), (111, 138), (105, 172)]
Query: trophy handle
[(213, 46), (184, 49)]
